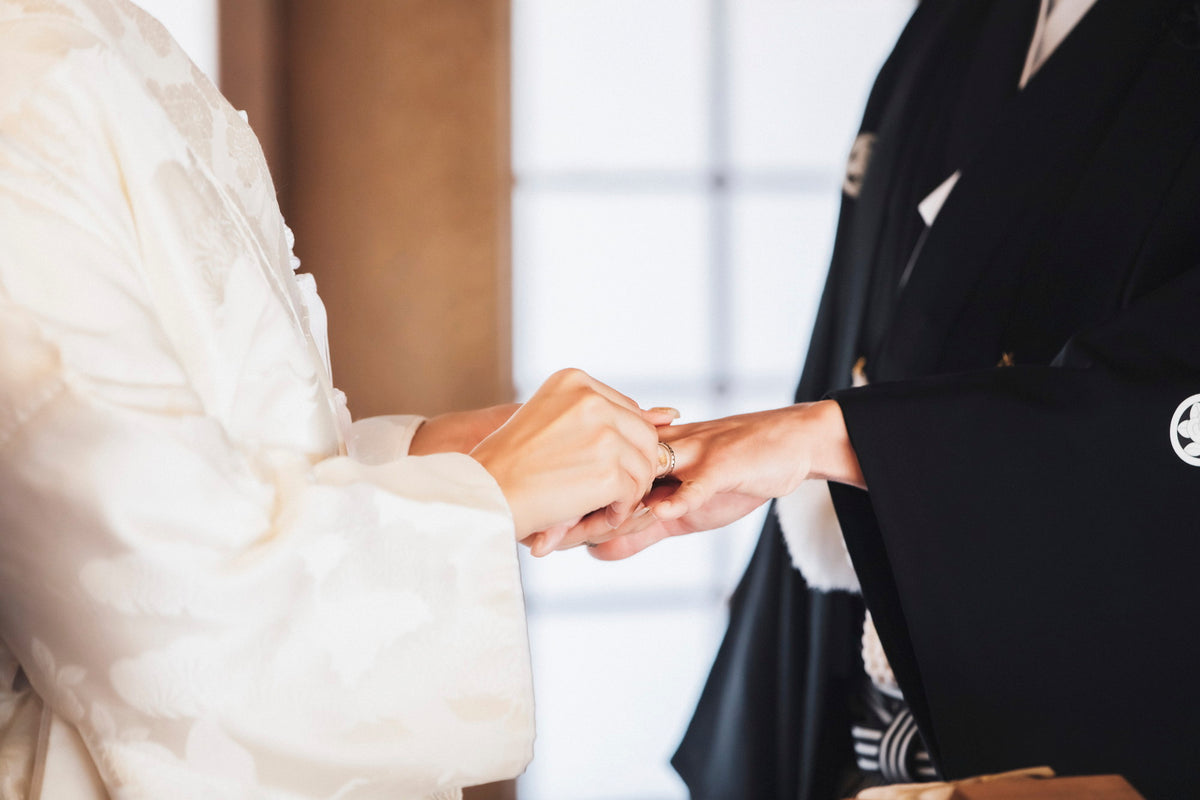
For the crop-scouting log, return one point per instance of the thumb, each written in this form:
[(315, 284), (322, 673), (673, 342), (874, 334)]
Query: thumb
[(690, 496)]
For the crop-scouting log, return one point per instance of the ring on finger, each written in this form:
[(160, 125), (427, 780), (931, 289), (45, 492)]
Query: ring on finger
[(666, 459)]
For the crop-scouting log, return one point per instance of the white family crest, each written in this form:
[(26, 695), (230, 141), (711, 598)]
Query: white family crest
[(1185, 431), (856, 164)]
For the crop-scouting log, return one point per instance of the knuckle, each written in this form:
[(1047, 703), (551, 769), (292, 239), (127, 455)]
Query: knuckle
[(571, 376), (647, 470), (589, 402), (613, 482), (610, 439)]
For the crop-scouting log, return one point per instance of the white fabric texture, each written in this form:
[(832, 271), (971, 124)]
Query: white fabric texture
[(204, 585), (814, 538)]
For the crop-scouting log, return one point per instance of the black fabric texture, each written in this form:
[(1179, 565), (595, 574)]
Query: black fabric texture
[(1026, 543)]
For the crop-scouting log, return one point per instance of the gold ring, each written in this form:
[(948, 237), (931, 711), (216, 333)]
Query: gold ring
[(666, 459)]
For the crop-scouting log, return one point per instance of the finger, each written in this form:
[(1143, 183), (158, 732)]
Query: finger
[(667, 461), (638, 450), (688, 443), (690, 496), (612, 394), (640, 529), (660, 416), (589, 530), (641, 519), (548, 540), (638, 477), (642, 438), (626, 546), (631, 420), (674, 433), (617, 513)]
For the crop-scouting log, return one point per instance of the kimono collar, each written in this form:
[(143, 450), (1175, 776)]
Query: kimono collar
[(1056, 19), (1073, 98)]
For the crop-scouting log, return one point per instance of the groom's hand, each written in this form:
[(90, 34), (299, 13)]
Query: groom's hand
[(725, 469), (642, 528)]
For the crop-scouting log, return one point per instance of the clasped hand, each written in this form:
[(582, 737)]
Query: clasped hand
[(580, 463), (724, 469)]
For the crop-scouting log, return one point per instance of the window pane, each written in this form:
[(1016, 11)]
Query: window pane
[(613, 283), (684, 565), (781, 247), (609, 84), (800, 71), (615, 693)]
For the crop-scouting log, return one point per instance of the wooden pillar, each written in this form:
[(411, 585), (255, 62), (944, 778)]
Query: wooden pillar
[(252, 75), (399, 181), (386, 125)]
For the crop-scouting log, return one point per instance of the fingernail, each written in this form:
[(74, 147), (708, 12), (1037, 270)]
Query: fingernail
[(672, 412), (642, 511)]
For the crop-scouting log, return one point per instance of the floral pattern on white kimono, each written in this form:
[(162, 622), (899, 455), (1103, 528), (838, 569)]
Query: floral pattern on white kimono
[(211, 584)]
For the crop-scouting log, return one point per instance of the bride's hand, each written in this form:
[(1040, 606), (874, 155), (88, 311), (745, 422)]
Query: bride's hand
[(575, 446), (459, 431), (727, 468)]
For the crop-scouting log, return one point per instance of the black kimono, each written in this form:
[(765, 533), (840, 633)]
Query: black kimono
[(1030, 543)]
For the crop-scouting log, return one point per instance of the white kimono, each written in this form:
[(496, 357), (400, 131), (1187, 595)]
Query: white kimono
[(211, 584)]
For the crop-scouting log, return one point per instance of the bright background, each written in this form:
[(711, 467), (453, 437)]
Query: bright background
[(193, 23), (678, 168)]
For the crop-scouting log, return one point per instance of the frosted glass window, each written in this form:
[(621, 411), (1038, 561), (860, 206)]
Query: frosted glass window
[(800, 71), (614, 695), (613, 283), (193, 23), (780, 254), (677, 167), (610, 84), (684, 563)]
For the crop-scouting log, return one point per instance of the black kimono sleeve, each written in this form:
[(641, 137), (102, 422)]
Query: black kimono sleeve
[(1029, 548)]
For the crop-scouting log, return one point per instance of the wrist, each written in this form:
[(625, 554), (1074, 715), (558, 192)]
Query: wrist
[(832, 454), (493, 460)]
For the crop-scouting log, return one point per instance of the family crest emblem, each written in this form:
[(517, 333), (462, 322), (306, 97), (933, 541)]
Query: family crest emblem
[(856, 164), (1185, 431)]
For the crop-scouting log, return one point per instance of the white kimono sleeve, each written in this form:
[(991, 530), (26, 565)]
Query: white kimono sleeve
[(220, 616), (209, 627)]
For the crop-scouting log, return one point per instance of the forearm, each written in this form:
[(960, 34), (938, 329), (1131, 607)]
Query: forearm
[(458, 431), (833, 456)]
